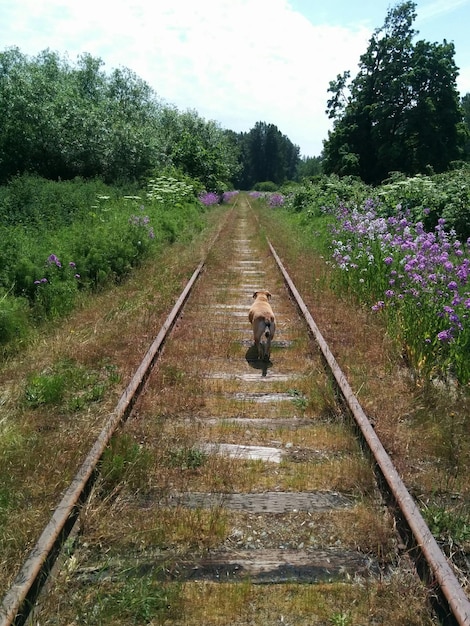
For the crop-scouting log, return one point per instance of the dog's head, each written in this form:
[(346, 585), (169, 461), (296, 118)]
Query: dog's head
[(262, 295)]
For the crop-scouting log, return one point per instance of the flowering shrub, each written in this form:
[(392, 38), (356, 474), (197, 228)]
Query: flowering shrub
[(323, 194), (275, 199), (419, 279), (428, 198), (109, 237), (228, 196), (56, 290), (142, 221), (209, 198), (168, 191)]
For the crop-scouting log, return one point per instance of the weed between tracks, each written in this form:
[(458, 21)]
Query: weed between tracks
[(135, 600), (137, 537)]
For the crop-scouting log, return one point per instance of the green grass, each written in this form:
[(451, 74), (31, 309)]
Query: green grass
[(130, 600), (124, 462), (69, 383)]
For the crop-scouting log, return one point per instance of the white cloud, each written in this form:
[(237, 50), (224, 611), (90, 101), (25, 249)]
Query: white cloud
[(438, 8), (463, 80), (249, 62), (237, 62)]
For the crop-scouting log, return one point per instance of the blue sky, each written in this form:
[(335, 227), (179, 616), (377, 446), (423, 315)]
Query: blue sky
[(233, 61)]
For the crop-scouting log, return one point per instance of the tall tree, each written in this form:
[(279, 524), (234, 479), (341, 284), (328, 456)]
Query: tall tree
[(198, 147), (309, 167), (267, 155), (401, 112), (59, 120), (466, 119)]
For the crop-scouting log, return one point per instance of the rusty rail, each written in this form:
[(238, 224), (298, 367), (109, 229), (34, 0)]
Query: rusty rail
[(30, 580), (437, 563)]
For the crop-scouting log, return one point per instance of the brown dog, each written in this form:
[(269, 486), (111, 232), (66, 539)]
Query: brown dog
[(262, 319)]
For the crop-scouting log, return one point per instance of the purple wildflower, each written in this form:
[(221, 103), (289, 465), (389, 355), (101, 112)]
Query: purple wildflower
[(52, 259), (445, 335), (276, 199), (209, 198), (228, 195)]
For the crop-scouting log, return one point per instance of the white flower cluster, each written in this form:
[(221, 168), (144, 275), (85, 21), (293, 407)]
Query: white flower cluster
[(168, 190)]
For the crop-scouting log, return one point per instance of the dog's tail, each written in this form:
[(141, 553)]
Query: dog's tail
[(267, 328)]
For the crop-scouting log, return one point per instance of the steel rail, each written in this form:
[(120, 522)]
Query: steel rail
[(22, 595), (454, 595)]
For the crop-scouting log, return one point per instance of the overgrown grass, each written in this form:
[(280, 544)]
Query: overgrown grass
[(145, 601), (66, 379), (127, 600), (63, 239), (56, 395), (131, 527)]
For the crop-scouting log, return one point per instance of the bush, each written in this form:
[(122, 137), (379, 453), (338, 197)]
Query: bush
[(209, 198), (400, 249), (398, 268), (46, 266), (323, 193), (14, 319), (266, 186), (36, 203), (429, 198)]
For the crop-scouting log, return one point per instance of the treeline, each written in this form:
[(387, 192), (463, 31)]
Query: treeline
[(62, 120), (266, 155), (401, 113)]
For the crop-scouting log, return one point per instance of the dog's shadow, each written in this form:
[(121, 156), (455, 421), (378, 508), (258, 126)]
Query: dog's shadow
[(253, 361)]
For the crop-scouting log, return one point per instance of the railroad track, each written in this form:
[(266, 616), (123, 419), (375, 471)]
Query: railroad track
[(249, 492)]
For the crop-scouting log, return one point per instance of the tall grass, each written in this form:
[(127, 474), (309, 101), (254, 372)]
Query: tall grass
[(62, 238)]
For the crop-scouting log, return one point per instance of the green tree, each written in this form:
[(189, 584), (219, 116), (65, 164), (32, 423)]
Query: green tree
[(27, 96), (61, 121), (198, 148), (308, 167), (267, 155), (401, 112), (466, 118), (132, 146)]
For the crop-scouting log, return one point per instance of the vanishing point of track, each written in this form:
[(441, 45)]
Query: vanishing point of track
[(261, 391)]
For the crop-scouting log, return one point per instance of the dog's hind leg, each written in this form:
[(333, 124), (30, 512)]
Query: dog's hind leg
[(267, 345), (257, 336), (267, 349)]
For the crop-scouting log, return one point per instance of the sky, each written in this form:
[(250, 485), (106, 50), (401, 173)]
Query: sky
[(237, 62)]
